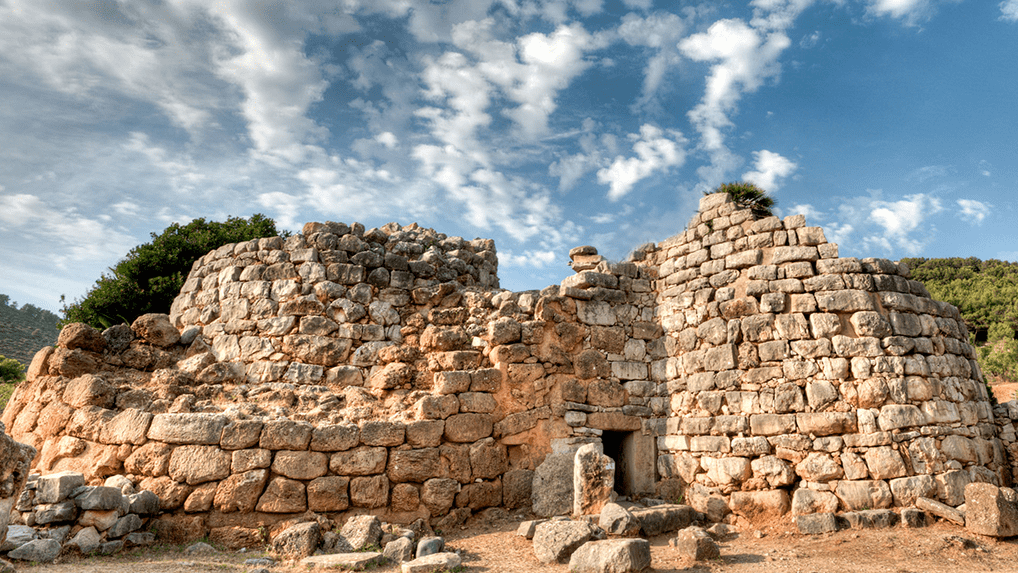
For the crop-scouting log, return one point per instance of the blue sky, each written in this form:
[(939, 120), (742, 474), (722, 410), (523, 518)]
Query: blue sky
[(543, 124)]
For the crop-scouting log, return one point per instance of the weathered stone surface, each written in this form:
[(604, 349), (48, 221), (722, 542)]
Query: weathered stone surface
[(369, 492), (413, 465), (617, 520), (552, 492), (555, 541), (808, 501), (298, 541), (156, 329), (38, 550), (611, 556), (439, 494), (56, 487), (283, 496), (940, 510), (358, 561), (240, 492), (696, 544), (467, 427), (202, 429), (359, 461), (432, 563), (864, 494), (754, 505), (593, 480), (991, 510), (300, 465), (871, 519), (329, 493), (285, 435), (816, 523), (362, 531), (199, 464), (664, 518)]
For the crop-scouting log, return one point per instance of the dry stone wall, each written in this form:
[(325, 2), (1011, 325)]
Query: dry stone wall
[(741, 364), (794, 368)]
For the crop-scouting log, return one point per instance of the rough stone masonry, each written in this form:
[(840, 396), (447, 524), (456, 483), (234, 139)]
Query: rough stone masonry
[(741, 364)]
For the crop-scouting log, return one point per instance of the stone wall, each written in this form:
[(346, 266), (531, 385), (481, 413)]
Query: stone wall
[(741, 364), (792, 368)]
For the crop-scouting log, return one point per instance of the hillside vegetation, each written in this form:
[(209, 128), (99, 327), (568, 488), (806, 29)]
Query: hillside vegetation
[(24, 330), (986, 293)]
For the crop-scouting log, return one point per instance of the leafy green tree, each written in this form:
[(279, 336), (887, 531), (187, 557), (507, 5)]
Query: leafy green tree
[(151, 275), (11, 371), (748, 196)]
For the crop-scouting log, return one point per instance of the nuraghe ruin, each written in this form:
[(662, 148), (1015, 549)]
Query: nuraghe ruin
[(741, 364)]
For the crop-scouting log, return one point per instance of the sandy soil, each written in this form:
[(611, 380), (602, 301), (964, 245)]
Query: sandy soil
[(942, 548)]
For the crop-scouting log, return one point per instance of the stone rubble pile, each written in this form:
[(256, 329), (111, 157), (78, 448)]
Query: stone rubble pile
[(58, 513)]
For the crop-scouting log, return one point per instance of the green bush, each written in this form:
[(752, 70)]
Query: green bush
[(151, 275), (11, 371), (748, 196)]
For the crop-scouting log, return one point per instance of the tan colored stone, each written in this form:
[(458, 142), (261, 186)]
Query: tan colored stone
[(300, 465), (283, 496), (240, 492), (329, 493), (198, 464)]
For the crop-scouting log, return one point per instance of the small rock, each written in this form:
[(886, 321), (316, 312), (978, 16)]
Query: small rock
[(611, 556), (816, 523), (41, 550), (555, 541), (124, 525), (399, 550), (362, 531), (527, 528), (617, 520), (432, 563), (695, 543), (199, 548), (430, 546), (85, 540), (355, 561), (140, 539), (721, 531), (266, 561), (19, 535), (298, 541)]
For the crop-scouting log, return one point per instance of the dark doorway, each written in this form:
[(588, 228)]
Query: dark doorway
[(613, 448), (635, 456)]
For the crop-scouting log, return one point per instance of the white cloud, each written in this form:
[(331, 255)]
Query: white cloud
[(72, 238), (900, 218), (656, 150), (768, 169), (928, 172), (973, 211), (744, 58), (810, 40), (660, 32), (910, 11), (1009, 10), (529, 259), (811, 212)]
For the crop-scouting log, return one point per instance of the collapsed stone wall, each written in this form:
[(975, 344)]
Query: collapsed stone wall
[(740, 363)]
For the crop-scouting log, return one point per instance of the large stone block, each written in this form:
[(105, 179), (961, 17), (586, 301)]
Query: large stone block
[(199, 464), (552, 492), (200, 428), (991, 510), (611, 556)]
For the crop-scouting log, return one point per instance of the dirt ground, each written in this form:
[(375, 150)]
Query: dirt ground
[(941, 548)]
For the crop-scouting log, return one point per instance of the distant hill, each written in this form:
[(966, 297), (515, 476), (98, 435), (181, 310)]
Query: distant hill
[(24, 330), (986, 292)]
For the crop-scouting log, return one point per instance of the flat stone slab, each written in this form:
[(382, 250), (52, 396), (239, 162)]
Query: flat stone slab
[(940, 510), (355, 561), (431, 563), (816, 523)]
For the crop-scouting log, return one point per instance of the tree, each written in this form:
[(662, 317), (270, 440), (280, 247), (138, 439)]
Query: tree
[(11, 371), (152, 274), (748, 196)]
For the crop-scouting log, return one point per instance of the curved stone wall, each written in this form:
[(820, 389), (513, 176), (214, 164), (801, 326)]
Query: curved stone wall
[(741, 364), (793, 368)]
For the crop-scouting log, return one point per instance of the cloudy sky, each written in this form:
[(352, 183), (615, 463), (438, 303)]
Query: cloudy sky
[(543, 124)]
